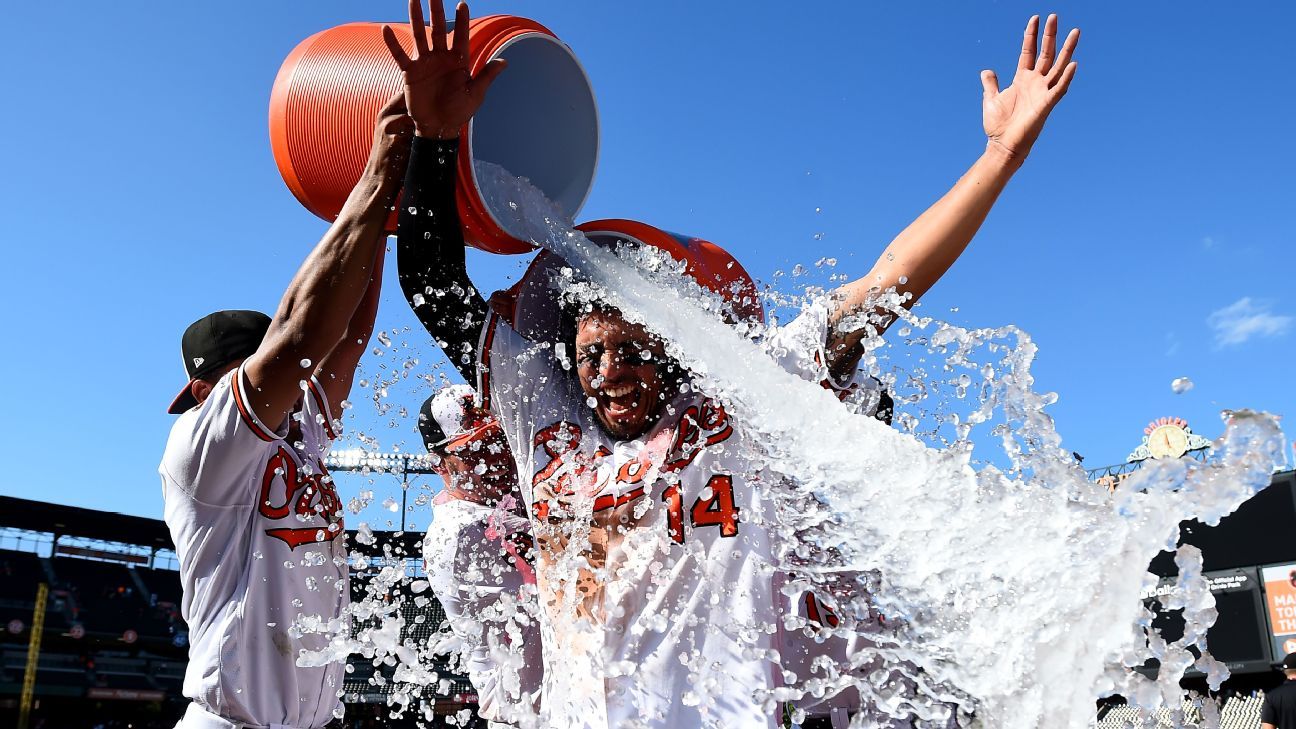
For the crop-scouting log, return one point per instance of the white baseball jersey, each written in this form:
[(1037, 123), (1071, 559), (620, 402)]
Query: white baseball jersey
[(258, 529), (487, 590), (663, 613), (814, 626)]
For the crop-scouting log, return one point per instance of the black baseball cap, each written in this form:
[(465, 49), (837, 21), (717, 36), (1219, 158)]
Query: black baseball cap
[(452, 418), (1288, 662), (432, 432), (213, 342)]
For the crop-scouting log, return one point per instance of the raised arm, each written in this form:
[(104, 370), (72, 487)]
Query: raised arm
[(926, 249), (337, 371), (326, 292), (442, 95), (430, 255)]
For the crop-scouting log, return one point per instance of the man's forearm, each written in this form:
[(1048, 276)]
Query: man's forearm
[(337, 371), (928, 247), (322, 298), (430, 254), (922, 253), (325, 293)]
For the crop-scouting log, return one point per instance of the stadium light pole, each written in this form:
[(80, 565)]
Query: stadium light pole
[(358, 460)]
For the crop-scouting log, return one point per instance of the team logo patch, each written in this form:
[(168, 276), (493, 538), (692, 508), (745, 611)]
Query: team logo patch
[(198, 361), (309, 497)]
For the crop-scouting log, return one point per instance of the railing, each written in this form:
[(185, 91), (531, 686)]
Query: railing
[(1120, 471)]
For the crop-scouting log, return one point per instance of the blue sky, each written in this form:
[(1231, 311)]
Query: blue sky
[(1148, 237)]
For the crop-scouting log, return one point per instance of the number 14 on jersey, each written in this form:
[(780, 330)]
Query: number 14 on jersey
[(718, 510)]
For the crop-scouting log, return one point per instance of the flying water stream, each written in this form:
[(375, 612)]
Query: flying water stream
[(1016, 593), (970, 594)]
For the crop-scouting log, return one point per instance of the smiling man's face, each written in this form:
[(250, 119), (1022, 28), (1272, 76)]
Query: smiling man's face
[(618, 365)]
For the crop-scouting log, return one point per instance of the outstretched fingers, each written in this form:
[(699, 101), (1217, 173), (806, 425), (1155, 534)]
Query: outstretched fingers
[(460, 44), (418, 28), (438, 25), (1068, 73), (1026, 61), (1064, 59), (989, 84), (1048, 48), (394, 47), (482, 81)]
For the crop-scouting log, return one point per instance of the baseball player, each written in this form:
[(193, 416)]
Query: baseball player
[(654, 558), (477, 556), (255, 517)]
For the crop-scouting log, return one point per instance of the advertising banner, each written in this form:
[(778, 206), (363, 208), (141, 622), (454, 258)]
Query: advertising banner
[(1280, 598)]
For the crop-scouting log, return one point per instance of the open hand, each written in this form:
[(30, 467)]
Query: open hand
[(441, 93), (1014, 117)]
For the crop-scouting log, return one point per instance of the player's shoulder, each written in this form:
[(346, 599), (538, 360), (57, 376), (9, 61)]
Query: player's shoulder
[(458, 525), (453, 515), (215, 439), (181, 442), (196, 423)]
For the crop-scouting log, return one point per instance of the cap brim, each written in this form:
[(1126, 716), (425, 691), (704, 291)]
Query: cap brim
[(184, 401), (455, 442)]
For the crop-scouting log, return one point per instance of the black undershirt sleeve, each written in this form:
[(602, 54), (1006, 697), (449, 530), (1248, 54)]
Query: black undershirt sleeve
[(430, 255)]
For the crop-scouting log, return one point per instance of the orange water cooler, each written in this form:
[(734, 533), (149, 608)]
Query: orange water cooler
[(539, 120)]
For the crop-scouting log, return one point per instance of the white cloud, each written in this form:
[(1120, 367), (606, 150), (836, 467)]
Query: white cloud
[(1244, 319)]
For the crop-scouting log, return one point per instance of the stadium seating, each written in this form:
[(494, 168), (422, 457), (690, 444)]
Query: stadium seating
[(163, 584), (1240, 711), (20, 573), (108, 600), (20, 568)]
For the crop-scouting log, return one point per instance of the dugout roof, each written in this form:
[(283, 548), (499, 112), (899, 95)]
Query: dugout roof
[(110, 526)]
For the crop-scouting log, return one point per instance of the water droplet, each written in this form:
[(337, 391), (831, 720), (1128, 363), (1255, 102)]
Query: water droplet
[(305, 363)]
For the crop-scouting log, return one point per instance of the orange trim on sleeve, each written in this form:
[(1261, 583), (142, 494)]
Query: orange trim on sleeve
[(322, 404), (244, 411)]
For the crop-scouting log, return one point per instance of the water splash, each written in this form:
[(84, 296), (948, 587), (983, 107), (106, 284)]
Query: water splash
[(965, 564), (1000, 592)]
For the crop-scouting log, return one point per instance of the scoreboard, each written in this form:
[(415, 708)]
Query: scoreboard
[(1250, 563)]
